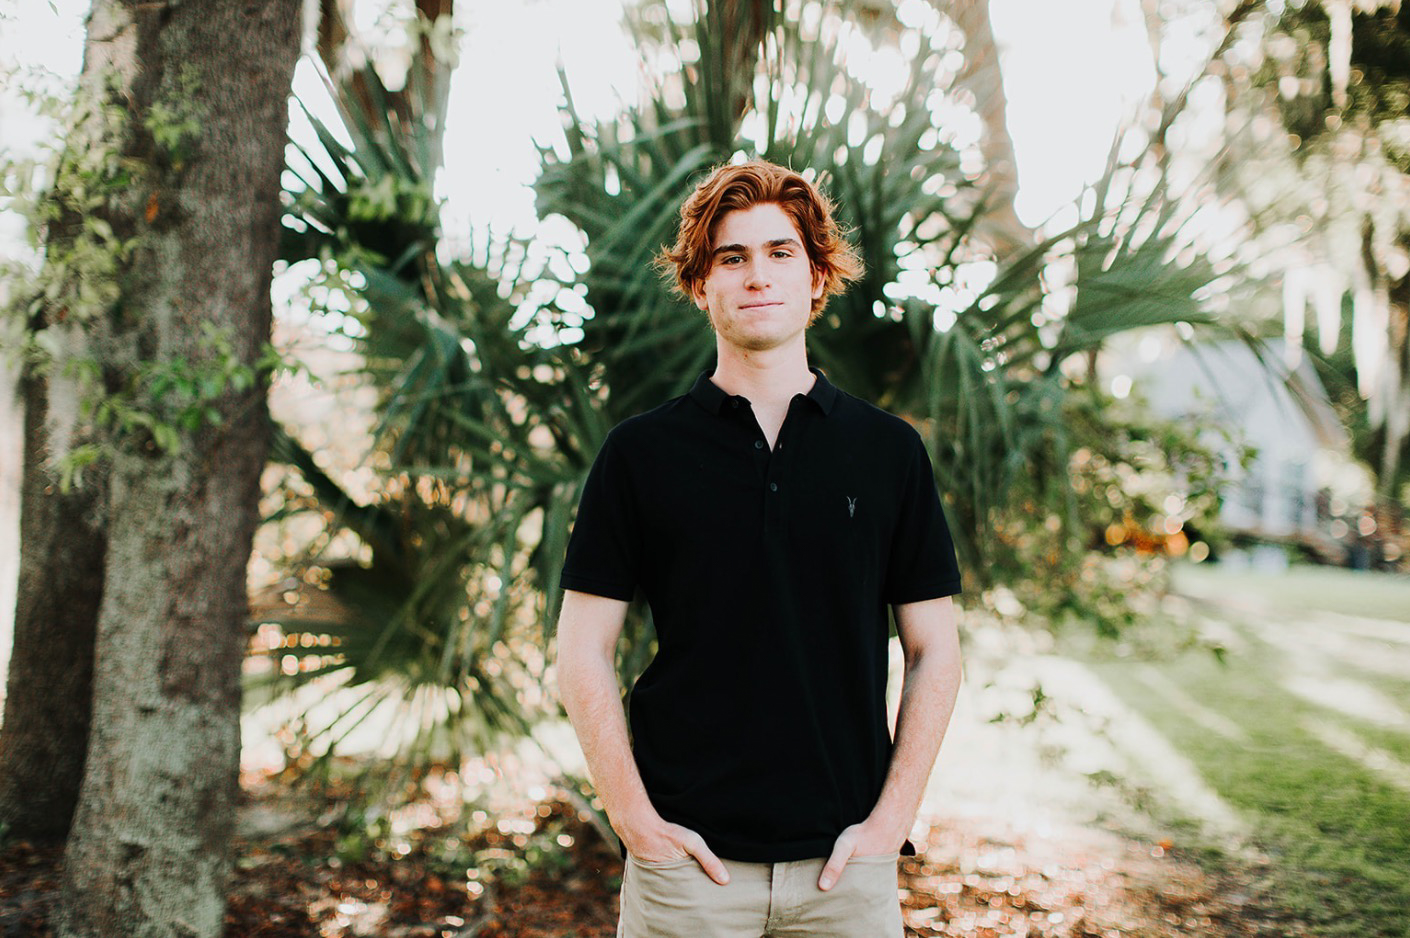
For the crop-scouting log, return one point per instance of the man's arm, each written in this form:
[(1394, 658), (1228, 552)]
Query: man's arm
[(588, 629), (930, 642)]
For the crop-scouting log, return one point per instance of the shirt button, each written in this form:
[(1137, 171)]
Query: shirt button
[(773, 486), (758, 444)]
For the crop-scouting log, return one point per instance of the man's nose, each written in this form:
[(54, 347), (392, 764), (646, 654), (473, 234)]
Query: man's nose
[(755, 276)]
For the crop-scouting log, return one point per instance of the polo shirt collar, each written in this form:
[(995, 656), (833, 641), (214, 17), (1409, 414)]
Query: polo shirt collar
[(712, 397)]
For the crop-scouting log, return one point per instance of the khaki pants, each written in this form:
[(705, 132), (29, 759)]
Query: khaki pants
[(676, 899)]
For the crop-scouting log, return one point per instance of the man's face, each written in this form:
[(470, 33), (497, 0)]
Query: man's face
[(760, 288)]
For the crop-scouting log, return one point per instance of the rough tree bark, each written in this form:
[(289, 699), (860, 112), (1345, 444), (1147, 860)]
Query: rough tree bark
[(203, 90), (63, 540)]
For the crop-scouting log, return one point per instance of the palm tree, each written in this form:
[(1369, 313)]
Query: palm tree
[(425, 623), (950, 328), (490, 432)]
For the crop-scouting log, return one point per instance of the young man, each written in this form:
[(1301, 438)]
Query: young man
[(768, 518)]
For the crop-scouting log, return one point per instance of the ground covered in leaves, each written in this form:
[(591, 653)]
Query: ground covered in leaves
[(545, 872)]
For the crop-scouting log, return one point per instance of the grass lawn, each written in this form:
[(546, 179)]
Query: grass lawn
[(1304, 731), (1302, 587)]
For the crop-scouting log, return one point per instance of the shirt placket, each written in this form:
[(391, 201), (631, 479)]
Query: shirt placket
[(773, 465)]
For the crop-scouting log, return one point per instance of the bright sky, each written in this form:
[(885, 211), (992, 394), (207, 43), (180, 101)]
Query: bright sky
[(1071, 71)]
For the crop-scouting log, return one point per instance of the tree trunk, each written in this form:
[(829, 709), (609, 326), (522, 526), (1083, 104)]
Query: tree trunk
[(1001, 226), (746, 23), (149, 851), (62, 544), (49, 689)]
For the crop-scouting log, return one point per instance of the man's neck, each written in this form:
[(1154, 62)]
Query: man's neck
[(767, 378)]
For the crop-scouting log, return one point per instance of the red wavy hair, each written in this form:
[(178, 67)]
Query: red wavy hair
[(730, 188)]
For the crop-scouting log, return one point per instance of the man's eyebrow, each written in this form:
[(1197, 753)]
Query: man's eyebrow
[(741, 249)]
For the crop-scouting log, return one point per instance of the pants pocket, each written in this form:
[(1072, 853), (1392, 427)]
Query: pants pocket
[(661, 864), (863, 902), (678, 899), (877, 858)]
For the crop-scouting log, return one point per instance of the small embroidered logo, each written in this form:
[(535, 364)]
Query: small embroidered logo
[(851, 505)]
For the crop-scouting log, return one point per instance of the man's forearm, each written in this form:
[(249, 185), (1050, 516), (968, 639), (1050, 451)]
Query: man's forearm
[(931, 683), (592, 698)]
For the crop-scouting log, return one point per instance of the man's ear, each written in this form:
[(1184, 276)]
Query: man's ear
[(819, 281), (697, 293)]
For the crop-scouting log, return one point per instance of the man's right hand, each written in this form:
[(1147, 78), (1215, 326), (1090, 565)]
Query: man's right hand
[(659, 841)]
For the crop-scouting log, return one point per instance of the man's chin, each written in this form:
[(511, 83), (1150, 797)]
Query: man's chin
[(758, 343)]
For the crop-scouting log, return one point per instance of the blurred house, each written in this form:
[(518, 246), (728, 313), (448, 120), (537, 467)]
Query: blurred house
[(1281, 411)]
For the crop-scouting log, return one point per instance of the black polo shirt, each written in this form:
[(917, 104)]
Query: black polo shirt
[(761, 721)]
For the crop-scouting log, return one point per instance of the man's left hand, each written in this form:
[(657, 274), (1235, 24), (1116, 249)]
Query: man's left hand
[(859, 840)]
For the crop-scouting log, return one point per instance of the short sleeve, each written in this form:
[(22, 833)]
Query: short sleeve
[(604, 548), (922, 564)]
